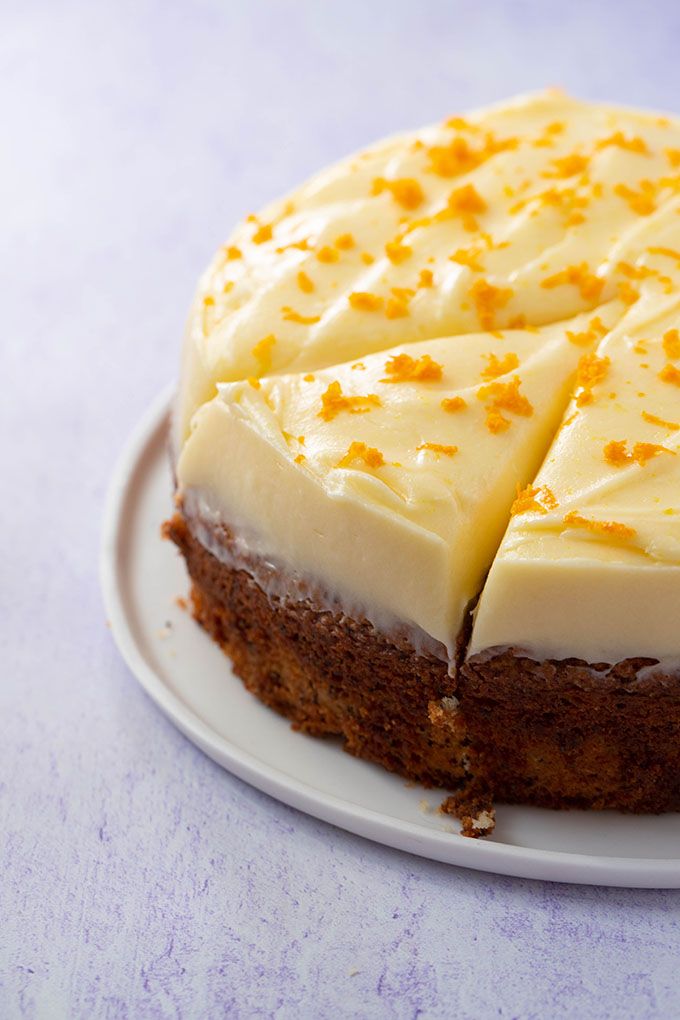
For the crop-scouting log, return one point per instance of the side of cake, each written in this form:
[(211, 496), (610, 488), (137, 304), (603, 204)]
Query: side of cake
[(422, 344)]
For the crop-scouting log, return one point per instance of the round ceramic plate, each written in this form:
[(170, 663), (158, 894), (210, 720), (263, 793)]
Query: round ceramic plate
[(191, 681)]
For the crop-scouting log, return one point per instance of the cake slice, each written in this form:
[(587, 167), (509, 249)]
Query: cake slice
[(571, 682)]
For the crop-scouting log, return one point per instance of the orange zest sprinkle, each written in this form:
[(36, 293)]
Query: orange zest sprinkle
[(262, 234), (642, 452), (596, 330), (404, 368), (397, 252), (670, 253), (499, 366), (345, 242), (327, 254), (673, 157), (448, 451), (425, 278), (567, 201), (643, 273), (504, 397), (364, 301), (290, 315), (304, 283), (254, 382), (589, 285), (405, 190), (333, 401), (453, 404), (627, 293), (615, 453), (672, 426), (396, 309), (642, 202), (309, 377), (591, 370), (611, 528), (526, 501), (488, 300), (546, 139), (455, 158), (670, 374), (467, 203), (635, 272), (495, 421), (262, 352), (459, 157), (397, 306), (567, 166), (367, 258), (458, 123), (232, 252), (671, 344), (634, 144), (468, 257), (359, 451), (300, 459)]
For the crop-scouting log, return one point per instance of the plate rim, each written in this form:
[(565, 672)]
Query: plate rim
[(494, 857)]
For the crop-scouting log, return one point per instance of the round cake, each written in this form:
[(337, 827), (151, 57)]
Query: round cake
[(426, 456)]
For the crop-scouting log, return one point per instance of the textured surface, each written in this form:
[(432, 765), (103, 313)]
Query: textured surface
[(138, 879)]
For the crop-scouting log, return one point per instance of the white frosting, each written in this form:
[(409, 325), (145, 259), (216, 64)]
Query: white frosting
[(543, 209), (537, 222)]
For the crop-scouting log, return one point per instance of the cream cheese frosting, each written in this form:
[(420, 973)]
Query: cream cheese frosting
[(373, 364), (516, 213)]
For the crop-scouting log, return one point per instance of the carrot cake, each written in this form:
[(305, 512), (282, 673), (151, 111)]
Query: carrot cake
[(425, 450)]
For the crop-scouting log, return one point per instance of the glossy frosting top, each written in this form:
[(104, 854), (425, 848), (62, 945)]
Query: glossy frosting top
[(472, 221)]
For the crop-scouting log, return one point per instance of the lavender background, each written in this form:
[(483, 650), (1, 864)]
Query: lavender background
[(136, 878)]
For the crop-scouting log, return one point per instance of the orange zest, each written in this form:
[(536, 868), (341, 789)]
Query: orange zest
[(403, 368), (443, 448), (610, 528), (405, 190), (333, 401), (372, 457)]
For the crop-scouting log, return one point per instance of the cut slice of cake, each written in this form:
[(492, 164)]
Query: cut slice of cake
[(571, 684)]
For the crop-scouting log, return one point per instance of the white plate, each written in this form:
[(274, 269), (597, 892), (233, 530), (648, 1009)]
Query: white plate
[(190, 680)]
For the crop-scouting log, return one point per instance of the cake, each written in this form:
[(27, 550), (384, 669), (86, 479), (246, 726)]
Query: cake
[(425, 451)]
